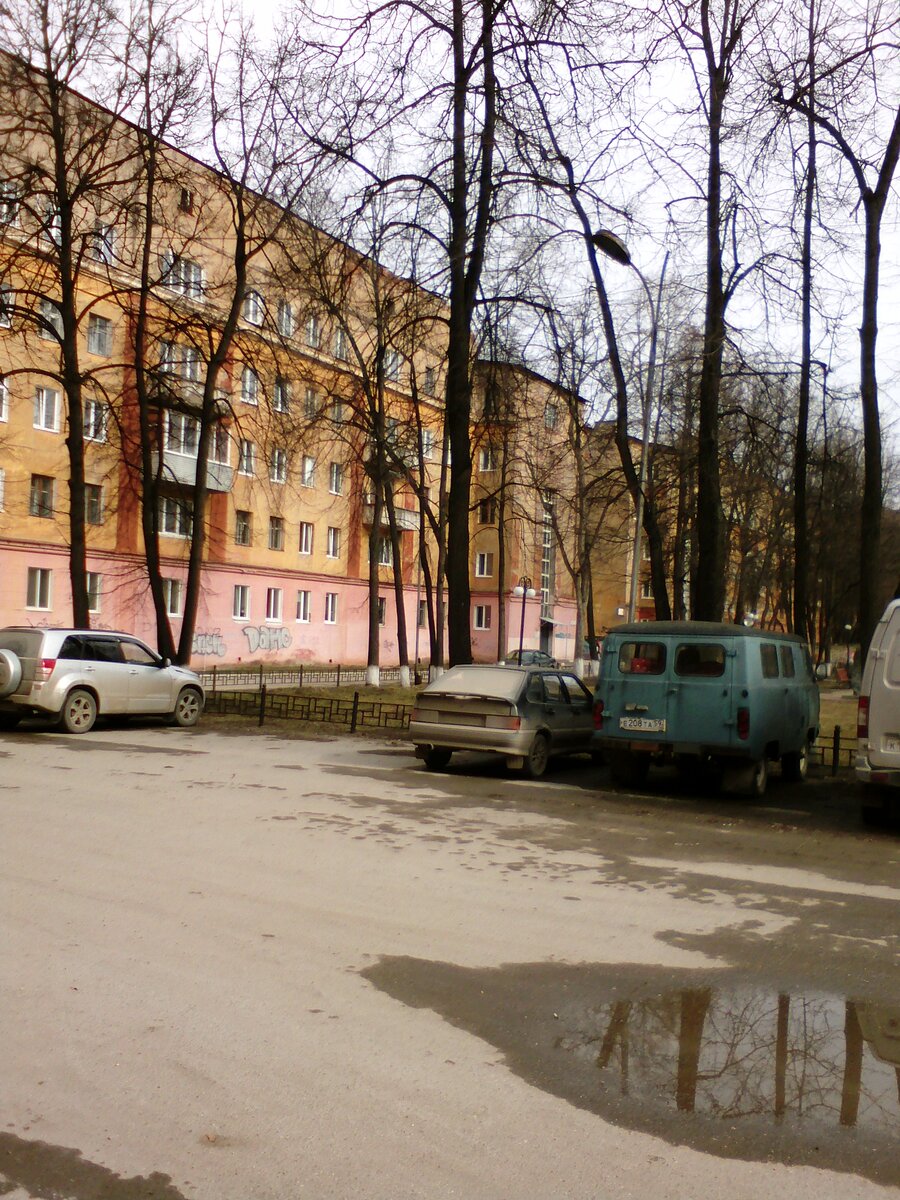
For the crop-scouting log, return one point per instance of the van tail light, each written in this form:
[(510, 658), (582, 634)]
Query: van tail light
[(44, 670), (513, 722), (598, 714), (862, 717), (743, 723)]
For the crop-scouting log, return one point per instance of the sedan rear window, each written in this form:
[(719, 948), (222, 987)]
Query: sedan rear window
[(700, 658), (642, 658)]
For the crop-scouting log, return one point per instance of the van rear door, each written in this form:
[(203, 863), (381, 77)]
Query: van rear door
[(700, 708), (884, 699), (638, 684)]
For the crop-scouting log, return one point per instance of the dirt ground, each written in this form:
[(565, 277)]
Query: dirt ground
[(239, 965)]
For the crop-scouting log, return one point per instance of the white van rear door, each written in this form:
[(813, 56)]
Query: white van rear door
[(884, 699)]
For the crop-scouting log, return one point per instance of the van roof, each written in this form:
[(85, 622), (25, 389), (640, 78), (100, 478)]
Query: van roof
[(705, 629)]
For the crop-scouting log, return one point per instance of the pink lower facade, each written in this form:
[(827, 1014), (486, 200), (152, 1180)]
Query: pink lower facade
[(319, 619)]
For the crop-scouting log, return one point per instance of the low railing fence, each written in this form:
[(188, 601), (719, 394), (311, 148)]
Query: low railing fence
[(316, 676)]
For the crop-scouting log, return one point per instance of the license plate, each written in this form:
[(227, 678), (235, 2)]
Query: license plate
[(891, 743), (643, 724)]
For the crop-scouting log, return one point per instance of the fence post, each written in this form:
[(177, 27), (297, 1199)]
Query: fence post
[(338, 684), (835, 749), (301, 675), (214, 679), (260, 674), (354, 712), (262, 703)]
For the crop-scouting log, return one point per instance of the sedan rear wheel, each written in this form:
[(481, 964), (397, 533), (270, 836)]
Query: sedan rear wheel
[(79, 711), (437, 759), (538, 757), (187, 708)]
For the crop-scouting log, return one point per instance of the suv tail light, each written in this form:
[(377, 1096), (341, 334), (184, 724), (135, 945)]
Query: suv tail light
[(44, 669), (862, 717), (743, 723), (598, 714)]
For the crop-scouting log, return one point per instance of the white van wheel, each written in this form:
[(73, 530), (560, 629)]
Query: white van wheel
[(795, 765)]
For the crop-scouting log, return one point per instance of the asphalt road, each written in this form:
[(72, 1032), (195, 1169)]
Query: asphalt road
[(243, 967)]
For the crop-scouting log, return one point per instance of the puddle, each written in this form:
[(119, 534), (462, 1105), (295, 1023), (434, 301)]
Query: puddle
[(717, 1062), (42, 1169)]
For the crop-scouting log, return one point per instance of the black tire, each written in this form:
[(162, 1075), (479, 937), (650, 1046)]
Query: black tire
[(79, 711), (9, 721), (537, 758), (437, 759), (795, 765), (628, 769), (598, 758), (747, 778), (188, 708)]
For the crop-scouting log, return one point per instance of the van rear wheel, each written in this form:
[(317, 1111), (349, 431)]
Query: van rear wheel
[(795, 765), (627, 769), (747, 779)]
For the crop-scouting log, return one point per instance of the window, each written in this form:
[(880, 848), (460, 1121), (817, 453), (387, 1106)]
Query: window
[(175, 516), (190, 364), (172, 594), (93, 503), (246, 457), (787, 661), (487, 511), (99, 335), (278, 466), (46, 409), (168, 358), (646, 589), (253, 308), (102, 244), (422, 614), (2, 488), (182, 434), (281, 400), (385, 553), (308, 471), (427, 443), (38, 593), (240, 605), (186, 200), (182, 275), (382, 610), (337, 412), (313, 331), (219, 444), (769, 657), (52, 230), (9, 203), (276, 533), (242, 528), (335, 479), (333, 544), (310, 403), (484, 564), (4, 399), (303, 606), (700, 658), (392, 361), (7, 306), (50, 325), (551, 416), (249, 386), (642, 658), (487, 460), (482, 616), (95, 421), (40, 501), (429, 382), (273, 604), (331, 608), (306, 537), (285, 319), (341, 345)]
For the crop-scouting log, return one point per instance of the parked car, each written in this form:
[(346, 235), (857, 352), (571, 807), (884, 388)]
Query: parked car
[(77, 674), (530, 658), (878, 720), (525, 714), (698, 693)]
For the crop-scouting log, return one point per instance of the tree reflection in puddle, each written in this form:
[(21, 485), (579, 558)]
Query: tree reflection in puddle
[(727, 1066)]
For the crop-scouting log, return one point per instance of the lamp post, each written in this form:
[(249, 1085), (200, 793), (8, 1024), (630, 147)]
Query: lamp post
[(524, 589), (613, 247)]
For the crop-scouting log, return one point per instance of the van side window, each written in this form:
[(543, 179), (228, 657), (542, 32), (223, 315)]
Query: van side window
[(769, 657), (787, 661), (642, 658), (700, 658)]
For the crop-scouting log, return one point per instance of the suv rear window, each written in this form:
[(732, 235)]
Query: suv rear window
[(700, 658), (642, 658)]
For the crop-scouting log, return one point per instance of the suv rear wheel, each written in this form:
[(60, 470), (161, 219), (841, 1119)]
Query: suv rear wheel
[(79, 711)]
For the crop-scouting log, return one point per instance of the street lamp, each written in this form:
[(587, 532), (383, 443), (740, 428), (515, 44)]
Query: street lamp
[(524, 589), (613, 247)]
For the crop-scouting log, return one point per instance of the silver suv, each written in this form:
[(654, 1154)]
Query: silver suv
[(77, 674)]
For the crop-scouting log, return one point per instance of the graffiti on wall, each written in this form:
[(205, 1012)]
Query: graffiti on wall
[(208, 642), (264, 637)]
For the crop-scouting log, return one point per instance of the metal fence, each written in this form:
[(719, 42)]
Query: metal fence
[(354, 713), (298, 677)]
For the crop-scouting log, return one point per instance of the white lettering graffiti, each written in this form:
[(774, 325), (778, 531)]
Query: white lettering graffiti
[(262, 637), (209, 642)]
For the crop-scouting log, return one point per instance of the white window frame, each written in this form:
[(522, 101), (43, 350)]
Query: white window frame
[(173, 596), (102, 245), (50, 325), (39, 589), (219, 444), (312, 331), (306, 538), (46, 409), (333, 542), (96, 420), (7, 306), (87, 503), (276, 532), (51, 230), (381, 604), (481, 616), (4, 398), (393, 361), (243, 525), (304, 606), (551, 416), (281, 395), (2, 488), (274, 605), (487, 460), (310, 403), (308, 471), (42, 504), (429, 383), (427, 443), (253, 310), (341, 345), (175, 517), (182, 434), (249, 386), (182, 275), (246, 457), (99, 335), (484, 564), (336, 478), (10, 200), (331, 608), (285, 318), (240, 602), (278, 466)]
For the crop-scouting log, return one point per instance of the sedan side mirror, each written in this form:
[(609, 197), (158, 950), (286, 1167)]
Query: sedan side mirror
[(166, 662)]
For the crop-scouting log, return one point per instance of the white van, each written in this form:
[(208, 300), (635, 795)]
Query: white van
[(878, 721)]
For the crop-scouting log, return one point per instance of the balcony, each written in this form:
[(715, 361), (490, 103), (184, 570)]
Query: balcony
[(182, 468), (407, 518)]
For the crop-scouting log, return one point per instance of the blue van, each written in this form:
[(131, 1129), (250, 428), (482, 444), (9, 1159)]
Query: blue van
[(700, 693)]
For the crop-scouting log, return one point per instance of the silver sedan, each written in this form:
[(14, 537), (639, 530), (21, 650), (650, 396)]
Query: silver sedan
[(526, 714)]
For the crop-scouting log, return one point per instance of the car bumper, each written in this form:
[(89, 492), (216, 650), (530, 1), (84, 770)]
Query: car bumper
[(880, 776), (427, 736)]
